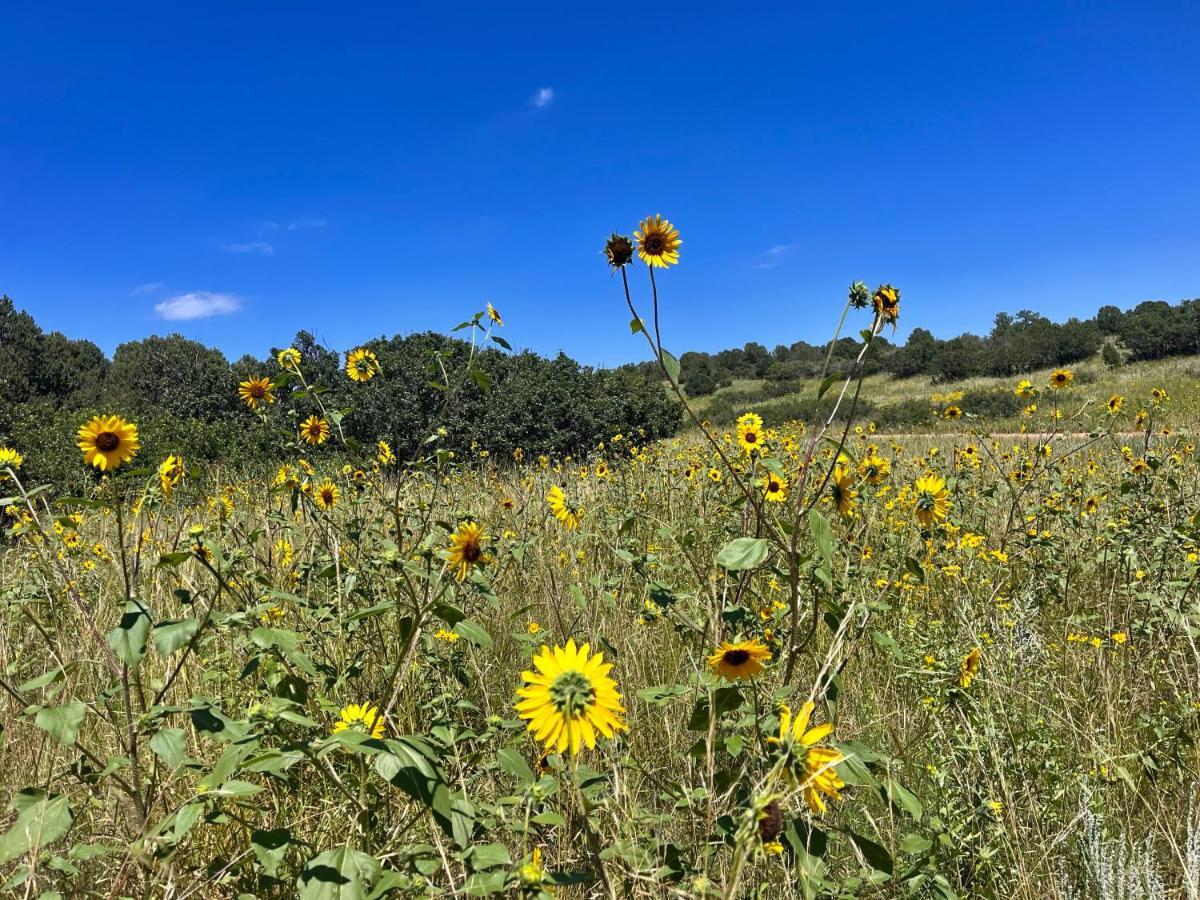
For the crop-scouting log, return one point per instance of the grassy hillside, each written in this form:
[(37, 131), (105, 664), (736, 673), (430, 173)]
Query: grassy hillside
[(917, 404)]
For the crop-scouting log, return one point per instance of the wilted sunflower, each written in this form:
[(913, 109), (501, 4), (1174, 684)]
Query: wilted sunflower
[(362, 365), (466, 549), (570, 698), (774, 487), (743, 659), (969, 667), (256, 392), (841, 488), (1115, 402), (494, 315), (314, 430), (326, 495), (365, 719), (10, 458), (1061, 378), (886, 302), (619, 250), (108, 441), (657, 242), (170, 473), (805, 765), (1158, 396), (568, 516), (874, 468)]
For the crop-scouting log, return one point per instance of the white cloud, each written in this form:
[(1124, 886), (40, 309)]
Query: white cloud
[(543, 98), (305, 223), (197, 305), (151, 287), (772, 257), (264, 248)]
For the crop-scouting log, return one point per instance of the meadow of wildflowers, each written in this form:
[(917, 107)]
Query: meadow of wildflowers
[(810, 660)]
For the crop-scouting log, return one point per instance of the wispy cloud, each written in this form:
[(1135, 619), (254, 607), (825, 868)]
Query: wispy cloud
[(543, 98), (263, 248), (150, 287), (197, 305), (305, 222), (774, 256)]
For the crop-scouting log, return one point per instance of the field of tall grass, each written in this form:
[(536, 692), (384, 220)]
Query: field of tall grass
[(805, 661)]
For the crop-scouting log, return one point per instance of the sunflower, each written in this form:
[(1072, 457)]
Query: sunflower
[(326, 495), (170, 473), (10, 458), (365, 719), (1061, 378), (805, 765), (569, 698), (714, 475), (288, 359), (1158, 396), (108, 441), (774, 488), (970, 667), (886, 302), (362, 365), (384, 454), (657, 242), (874, 468), (256, 392), (314, 430), (750, 418), (841, 488), (494, 315), (952, 412), (568, 516), (619, 251), (466, 549), (741, 660), (1024, 389), (750, 436), (1115, 402), (933, 500)]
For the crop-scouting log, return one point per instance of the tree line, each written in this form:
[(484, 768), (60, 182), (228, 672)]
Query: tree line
[(184, 397), (1016, 344)]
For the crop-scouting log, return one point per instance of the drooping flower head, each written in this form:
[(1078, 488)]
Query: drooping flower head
[(466, 549), (570, 698), (494, 315), (886, 302), (970, 667), (619, 251), (288, 359), (568, 515), (108, 442), (841, 489), (932, 499), (170, 473), (10, 459), (805, 764)]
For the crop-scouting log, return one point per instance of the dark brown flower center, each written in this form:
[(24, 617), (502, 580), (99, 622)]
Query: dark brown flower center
[(257, 391), (106, 441), (737, 657), (471, 552), (654, 244)]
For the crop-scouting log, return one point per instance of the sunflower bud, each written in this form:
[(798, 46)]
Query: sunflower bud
[(859, 295), (619, 250)]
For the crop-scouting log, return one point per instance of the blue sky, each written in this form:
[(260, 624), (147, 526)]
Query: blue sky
[(360, 170)]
